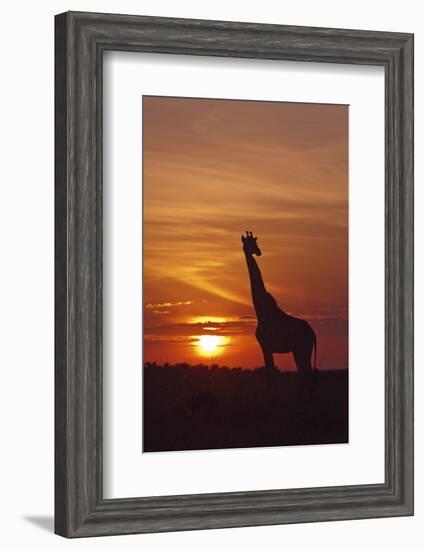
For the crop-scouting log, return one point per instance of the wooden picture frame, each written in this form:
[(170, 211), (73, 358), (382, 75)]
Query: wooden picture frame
[(81, 39)]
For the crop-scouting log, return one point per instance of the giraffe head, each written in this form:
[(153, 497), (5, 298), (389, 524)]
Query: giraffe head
[(250, 245)]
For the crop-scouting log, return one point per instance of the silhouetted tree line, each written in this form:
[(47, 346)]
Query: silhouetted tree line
[(200, 367)]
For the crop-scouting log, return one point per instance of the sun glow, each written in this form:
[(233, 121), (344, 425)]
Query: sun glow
[(210, 344)]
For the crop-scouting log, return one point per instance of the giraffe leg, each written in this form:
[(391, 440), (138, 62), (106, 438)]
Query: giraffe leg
[(268, 358), (303, 358)]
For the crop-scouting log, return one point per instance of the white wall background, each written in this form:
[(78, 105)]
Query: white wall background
[(26, 274)]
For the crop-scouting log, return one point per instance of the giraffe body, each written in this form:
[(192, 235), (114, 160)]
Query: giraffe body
[(277, 332)]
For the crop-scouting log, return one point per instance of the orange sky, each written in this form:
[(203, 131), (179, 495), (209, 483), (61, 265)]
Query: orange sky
[(215, 168)]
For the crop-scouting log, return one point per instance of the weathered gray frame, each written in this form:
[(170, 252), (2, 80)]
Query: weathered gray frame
[(81, 39)]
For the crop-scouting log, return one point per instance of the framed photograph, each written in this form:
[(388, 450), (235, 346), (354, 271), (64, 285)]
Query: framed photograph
[(234, 274)]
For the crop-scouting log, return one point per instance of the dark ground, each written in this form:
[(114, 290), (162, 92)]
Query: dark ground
[(199, 407)]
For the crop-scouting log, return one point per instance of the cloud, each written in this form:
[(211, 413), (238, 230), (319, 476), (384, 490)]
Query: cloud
[(243, 326), (168, 305), (226, 328)]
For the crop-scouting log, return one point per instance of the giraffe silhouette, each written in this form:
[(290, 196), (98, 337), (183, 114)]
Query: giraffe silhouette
[(277, 332)]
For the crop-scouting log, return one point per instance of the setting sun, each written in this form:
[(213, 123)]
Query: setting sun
[(209, 344)]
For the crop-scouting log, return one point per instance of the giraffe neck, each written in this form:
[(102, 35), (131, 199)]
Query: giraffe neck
[(256, 282)]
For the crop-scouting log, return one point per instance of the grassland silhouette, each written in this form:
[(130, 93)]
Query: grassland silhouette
[(216, 407)]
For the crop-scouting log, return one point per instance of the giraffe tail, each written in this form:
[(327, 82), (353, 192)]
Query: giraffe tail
[(315, 352)]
